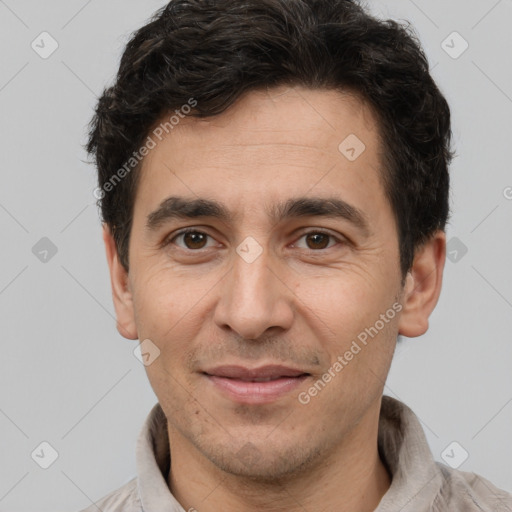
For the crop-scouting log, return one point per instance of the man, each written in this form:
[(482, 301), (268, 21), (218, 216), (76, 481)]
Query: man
[(273, 178)]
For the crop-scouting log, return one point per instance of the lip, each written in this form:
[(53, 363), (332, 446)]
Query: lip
[(241, 384)]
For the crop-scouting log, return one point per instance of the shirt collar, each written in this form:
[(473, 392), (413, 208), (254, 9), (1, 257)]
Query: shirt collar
[(416, 478), (153, 463)]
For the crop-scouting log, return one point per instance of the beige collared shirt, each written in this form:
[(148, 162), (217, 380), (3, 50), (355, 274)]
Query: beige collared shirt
[(419, 484)]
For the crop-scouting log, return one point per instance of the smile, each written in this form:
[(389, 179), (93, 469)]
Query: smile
[(255, 386)]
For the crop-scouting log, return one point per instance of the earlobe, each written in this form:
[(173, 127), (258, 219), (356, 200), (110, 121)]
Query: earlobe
[(423, 286), (121, 293)]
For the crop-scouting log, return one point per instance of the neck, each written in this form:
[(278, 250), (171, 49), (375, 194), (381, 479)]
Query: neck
[(350, 478)]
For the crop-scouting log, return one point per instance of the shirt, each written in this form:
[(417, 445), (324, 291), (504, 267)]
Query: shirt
[(418, 483)]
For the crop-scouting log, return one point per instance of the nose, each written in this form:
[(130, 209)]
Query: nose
[(255, 298)]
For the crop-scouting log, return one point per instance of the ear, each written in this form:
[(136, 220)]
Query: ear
[(121, 293), (423, 286)]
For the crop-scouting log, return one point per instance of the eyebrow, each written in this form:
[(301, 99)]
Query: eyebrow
[(332, 207)]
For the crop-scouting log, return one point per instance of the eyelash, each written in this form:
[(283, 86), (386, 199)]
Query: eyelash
[(185, 231)]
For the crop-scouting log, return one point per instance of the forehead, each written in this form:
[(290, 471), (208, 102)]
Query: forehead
[(269, 143), (299, 117)]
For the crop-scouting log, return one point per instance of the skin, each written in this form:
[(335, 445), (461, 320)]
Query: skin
[(301, 302)]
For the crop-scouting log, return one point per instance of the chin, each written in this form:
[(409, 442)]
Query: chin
[(266, 464)]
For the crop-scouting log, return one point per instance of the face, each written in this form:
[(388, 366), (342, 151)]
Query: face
[(276, 313)]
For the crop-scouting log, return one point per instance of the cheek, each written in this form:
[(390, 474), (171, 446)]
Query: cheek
[(345, 315), (163, 299), (346, 301)]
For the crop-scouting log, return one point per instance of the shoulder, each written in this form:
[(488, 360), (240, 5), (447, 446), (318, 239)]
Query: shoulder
[(469, 491), (124, 499)]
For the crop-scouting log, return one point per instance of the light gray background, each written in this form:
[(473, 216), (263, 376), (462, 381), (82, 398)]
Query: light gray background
[(67, 376)]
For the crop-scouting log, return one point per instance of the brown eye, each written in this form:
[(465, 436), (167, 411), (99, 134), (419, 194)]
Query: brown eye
[(194, 240), (317, 240), (191, 239)]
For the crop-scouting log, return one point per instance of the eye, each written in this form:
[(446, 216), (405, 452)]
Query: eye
[(318, 240), (191, 239), (194, 240)]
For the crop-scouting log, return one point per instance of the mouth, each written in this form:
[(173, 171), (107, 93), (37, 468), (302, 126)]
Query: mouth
[(257, 385)]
